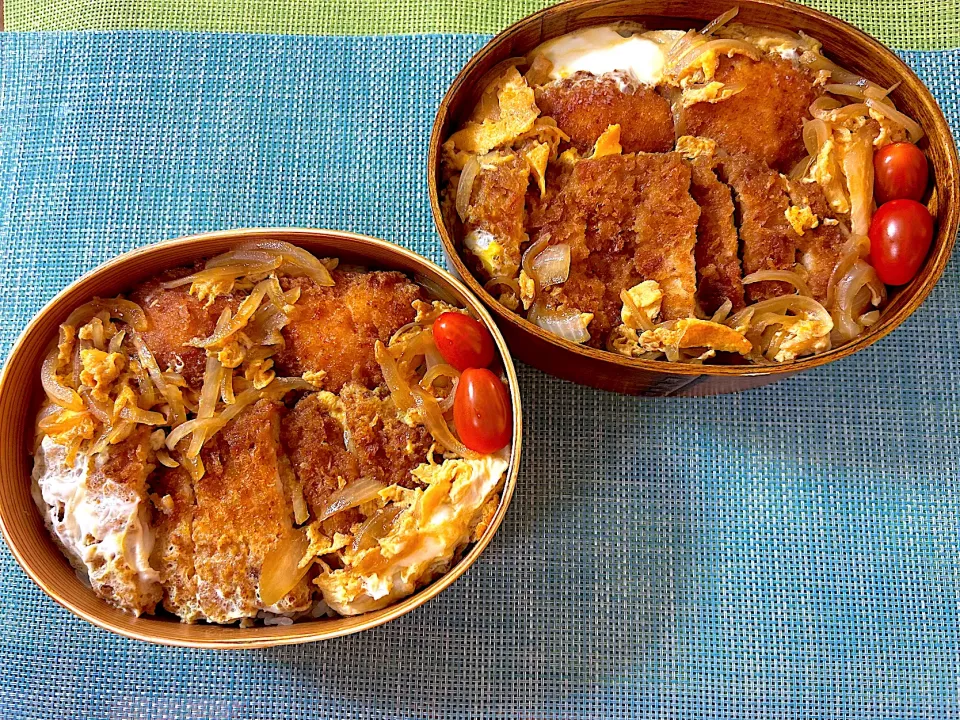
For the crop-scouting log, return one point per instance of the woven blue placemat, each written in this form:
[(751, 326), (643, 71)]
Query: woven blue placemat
[(790, 552)]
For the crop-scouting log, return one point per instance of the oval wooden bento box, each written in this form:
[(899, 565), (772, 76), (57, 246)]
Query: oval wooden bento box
[(20, 394), (843, 43)]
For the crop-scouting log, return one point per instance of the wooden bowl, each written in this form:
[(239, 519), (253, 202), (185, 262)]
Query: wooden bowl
[(20, 394), (845, 44)]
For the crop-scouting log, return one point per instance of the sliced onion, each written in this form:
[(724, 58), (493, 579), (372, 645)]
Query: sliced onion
[(439, 371), (720, 46), (503, 281), (854, 91), (722, 312), (566, 324), (399, 387), (787, 276), (232, 325), (283, 566), (296, 259), (840, 75), (858, 168), (914, 131), (56, 391), (551, 266), (530, 254), (643, 320), (137, 414), (465, 187), (823, 106), (125, 310), (719, 21), (173, 395), (164, 458), (436, 425), (815, 134), (116, 342), (795, 303), (376, 526), (223, 273), (352, 494)]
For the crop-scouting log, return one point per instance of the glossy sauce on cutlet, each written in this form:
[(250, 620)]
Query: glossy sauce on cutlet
[(716, 252), (627, 218), (765, 119), (767, 241), (335, 328), (240, 511), (314, 441), (497, 205), (584, 106), (386, 448), (175, 318), (819, 248)]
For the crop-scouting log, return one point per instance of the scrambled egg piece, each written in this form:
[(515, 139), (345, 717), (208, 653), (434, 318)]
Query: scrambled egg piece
[(801, 217), (704, 68), (647, 296), (692, 147), (517, 113), (100, 369), (712, 92), (234, 352), (209, 290), (569, 157), (608, 143), (528, 289), (804, 336), (786, 45), (695, 333), (487, 249), (825, 170), (433, 524), (315, 378), (537, 158), (427, 312), (889, 131)]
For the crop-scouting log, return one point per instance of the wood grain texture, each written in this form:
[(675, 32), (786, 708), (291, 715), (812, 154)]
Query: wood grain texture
[(20, 395), (845, 44)]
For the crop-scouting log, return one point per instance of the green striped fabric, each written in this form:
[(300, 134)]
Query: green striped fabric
[(904, 24)]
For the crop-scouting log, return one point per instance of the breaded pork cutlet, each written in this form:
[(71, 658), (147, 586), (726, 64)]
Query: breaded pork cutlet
[(716, 252), (767, 240), (627, 218), (175, 318), (386, 448), (314, 441), (584, 106), (765, 119), (211, 552), (820, 248), (495, 214), (335, 328)]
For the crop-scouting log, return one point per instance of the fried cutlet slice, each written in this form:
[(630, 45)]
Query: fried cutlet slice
[(212, 551), (385, 447), (494, 220), (716, 252), (314, 441), (819, 248), (767, 240), (96, 508), (585, 105), (174, 318), (765, 119), (333, 329), (627, 218)]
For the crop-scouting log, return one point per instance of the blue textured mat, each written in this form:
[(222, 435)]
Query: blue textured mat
[(789, 552)]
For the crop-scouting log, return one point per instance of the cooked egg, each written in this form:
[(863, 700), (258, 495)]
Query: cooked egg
[(488, 251), (434, 523), (602, 50)]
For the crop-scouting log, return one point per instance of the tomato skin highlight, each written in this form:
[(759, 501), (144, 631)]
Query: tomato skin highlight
[(481, 411), (900, 237), (463, 342), (900, 172)]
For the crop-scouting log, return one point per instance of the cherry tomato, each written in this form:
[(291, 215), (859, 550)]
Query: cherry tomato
[(481, 411), (900, 171), (463, 342), (900, 236)]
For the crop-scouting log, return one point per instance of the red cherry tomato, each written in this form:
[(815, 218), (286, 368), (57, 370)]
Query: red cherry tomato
[(481, 411), (463, 342), (900, 236), (900, 171)]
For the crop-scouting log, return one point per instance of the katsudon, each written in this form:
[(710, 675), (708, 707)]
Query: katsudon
[(691, 196), (266, 437)]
